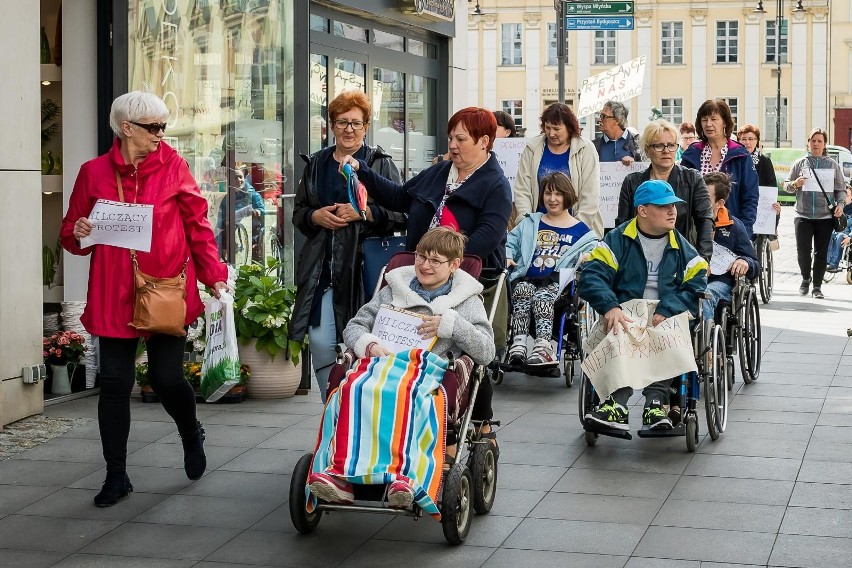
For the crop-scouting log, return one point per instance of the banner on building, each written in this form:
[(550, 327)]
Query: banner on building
[(621, 83)]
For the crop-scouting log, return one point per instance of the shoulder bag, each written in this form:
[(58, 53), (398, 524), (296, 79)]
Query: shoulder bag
[(839, 223), (159, 304)]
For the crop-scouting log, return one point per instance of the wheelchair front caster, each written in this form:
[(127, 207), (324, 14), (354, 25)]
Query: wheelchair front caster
[(691, 432), (591, 438)]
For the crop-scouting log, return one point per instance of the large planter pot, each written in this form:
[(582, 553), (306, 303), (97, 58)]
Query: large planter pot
[(269, 379), (61, 381)]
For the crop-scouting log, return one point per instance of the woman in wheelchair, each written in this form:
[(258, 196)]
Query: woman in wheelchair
[(454, 314), (538, 248), (730, 239)]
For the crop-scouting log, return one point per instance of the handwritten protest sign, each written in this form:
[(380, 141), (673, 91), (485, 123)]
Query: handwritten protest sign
[(641, 355), (397, 330), (765, 222), (721, 260), (620, 83), (826, 176), (508, 152), (125, 225), (612, 176)]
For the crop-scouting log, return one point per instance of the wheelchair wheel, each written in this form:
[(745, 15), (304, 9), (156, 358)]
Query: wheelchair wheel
[(691, 432), (828, 276), (766, 277), (729, 371), (242, 245), (456, 504), (483, 462), (715, 387), (588, 398), (749, 338), (568, 367), (304, 522)]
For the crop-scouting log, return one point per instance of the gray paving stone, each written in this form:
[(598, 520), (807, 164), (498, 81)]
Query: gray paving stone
[(178, 542), (841, 381), (839, 434), (264, 461), (532, 477), (305, 409), (628, 459), (42, 473), (353, 525), (619, 483), (768, 431), (230, 435), (776, 403), (836, 392), (72, 450), (757, 447), (761, 388), (826, 419), (139, 431), (486, 530), (512, 558), (100, 561), (145, 479), (576, 536), (13, 498), (515, 502), (637, 562), (720, 515), (773, 416), (733, 490), (811, 551), (817, 522), (743, 467), (822, 495), (600, 508), (812, 368), (288, 549), (802, 379), (204, 511), (50, 534), (828, 451), (808, 347), (706, 545), (241, 485), (29, 558), (538, 454), (791, 356), (255, 419), (292, 438), (837, 406), (517, 433), (171, 455), (77, 504)]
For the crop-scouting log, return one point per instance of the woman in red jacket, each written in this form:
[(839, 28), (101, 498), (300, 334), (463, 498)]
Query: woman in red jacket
[(151, 173)]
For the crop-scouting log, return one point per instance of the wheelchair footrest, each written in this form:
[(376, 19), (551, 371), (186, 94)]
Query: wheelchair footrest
[(648, 432), (605, 431)]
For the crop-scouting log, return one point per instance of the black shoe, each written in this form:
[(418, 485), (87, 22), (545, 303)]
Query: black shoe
[(803, 289), (610, 414), (817, 293), (655, 416), (117, 486), (194, 460)]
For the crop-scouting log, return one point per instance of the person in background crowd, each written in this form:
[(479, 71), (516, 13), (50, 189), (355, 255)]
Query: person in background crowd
[(687, 137), (813, 216), (749, 136), (694, 217), (560, 149), (247, 202), (151, 173), (715, 152), (505, 125), (616, 143), (840, 240), (329, 290)]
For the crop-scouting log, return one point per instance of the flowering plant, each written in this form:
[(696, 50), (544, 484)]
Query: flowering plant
[(263, 307), (63, 348)]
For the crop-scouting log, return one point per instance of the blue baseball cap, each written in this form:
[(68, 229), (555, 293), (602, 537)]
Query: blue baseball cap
[(655, 192)]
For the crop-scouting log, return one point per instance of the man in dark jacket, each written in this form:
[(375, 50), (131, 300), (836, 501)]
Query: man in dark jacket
[(729, 240), (616, 144)]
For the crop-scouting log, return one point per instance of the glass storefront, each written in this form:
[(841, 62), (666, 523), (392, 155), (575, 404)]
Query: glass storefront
[(225, 70)]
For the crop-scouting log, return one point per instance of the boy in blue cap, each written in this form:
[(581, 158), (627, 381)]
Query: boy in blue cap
[(643, 258)]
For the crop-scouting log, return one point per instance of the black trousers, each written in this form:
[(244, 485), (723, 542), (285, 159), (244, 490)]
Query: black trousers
[(118, 372), (816, 232)]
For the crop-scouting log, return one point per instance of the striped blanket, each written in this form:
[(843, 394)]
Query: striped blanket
[(387, 421)]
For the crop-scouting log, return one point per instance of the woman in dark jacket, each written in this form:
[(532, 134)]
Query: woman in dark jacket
[(328, 274), (695, 217)]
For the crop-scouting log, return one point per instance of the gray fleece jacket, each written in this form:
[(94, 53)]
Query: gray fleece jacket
[(464, 323), (811, 204)]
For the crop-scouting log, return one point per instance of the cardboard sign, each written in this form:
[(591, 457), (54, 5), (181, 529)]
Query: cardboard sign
[(621, 83), (721, 260), (640, 356), (826, 176), (125, 225), (397, 330), (612, 176), (508, 152), (766, 216)]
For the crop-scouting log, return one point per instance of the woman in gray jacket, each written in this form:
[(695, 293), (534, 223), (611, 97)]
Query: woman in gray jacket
[(813, 216)]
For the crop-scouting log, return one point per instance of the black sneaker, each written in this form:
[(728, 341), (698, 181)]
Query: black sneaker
[(803, 289), (817, 293), (655, 416), (610, 414)]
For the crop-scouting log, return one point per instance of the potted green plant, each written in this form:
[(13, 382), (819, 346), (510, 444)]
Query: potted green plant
[(148, 394), (263, 307), (61, 351)]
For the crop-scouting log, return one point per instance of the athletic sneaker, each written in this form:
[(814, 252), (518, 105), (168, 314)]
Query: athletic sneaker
[(518, 351), (400, 495), (655, 416), (611, 414), (542, 355), (330, 489)]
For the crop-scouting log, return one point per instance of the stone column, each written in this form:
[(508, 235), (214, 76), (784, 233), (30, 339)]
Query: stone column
[(490, 56), (753, 53), (797, 125), (699, 57), (532, 64)]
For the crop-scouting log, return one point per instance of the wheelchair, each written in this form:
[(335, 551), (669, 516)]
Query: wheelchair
[(845, 265), (470, 484), (766, 277), (710, 381), (740, 320)]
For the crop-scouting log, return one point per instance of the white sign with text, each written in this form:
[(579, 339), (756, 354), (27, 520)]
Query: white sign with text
[(508, 152), (721, 260), (612, 177), (826, 176), (766, 216), (125, 225), (397, 330)]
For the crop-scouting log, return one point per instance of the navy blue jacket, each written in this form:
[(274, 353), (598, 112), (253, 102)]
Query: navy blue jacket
[(738, 164), (736, 239), (481, 205)]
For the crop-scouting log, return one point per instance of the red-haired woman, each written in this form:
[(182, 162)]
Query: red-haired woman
[(560, 148)]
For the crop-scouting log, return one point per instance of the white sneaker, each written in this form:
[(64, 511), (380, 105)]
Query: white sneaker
[(542, 355), (518, 351)]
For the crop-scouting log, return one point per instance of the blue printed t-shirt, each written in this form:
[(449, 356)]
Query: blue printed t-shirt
[(551, 243), (550, 163)]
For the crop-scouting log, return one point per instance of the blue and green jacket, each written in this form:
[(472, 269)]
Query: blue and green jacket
[(617, 272)]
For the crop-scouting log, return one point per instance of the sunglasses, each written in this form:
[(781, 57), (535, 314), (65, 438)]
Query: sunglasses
[(152, 128)]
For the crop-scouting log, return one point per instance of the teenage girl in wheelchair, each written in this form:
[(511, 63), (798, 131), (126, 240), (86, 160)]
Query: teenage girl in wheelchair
[(381, 437)]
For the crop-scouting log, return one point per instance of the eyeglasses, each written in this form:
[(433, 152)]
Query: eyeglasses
[(152, 128), (670, 146), (748, 139), (432, 262), (689, 137), (602, 116), (344, 124)]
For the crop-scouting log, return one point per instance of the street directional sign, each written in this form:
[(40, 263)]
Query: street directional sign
[(599, 8), (599, 23)]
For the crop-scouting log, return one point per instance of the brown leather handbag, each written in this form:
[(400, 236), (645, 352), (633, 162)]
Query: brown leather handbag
[(159, 304)]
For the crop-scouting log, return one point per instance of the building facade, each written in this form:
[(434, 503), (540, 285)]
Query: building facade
[(694, 50)]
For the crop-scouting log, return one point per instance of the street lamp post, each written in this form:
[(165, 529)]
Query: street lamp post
[(779, 20)]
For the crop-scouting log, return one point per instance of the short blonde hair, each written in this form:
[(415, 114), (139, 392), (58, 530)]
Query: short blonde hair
[(133, 107), (652, 132), (444, 241)]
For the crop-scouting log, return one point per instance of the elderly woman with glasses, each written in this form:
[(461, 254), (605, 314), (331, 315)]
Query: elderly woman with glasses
[(329, 290), (694, 215), (141, 168)]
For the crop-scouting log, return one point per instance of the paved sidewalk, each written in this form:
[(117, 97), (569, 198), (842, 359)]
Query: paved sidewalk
[(774, 490)]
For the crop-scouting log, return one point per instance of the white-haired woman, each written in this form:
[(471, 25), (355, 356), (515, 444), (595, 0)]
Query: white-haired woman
[(147, 171)]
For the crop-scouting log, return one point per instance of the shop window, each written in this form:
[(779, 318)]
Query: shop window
[(388, 41), (319, 102), (388, 121), (422, 126), (319, 24), (422, 48), (349, 75), (349, 31)]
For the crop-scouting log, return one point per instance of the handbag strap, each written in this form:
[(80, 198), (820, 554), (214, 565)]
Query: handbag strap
[(822, 189)]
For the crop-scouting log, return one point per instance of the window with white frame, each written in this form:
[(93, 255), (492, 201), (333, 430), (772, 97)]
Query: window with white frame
[(671, 43), (733, 104), (604, 47), (776, 47), (672, 110), (515, 108), (727, 41), (512, 44), (552, 54), (769, 113)]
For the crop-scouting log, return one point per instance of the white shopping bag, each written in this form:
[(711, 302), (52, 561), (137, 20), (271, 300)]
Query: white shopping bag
[(221, 368)]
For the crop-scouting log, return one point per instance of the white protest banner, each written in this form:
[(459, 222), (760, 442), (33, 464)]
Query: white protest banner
[(620, 83), (765, 222), (612, 176), (640, 356), (508, 152), (826, 176), (721, 260), (125, 225), (397, 330)]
